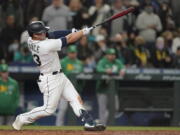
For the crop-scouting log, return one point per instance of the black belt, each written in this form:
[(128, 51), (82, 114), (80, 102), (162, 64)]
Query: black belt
[(54, 73)]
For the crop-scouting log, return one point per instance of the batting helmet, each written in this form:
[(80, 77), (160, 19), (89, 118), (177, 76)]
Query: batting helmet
[(37, 27)]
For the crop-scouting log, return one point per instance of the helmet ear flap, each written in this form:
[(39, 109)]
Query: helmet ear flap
[(30, 34), (29, 31)]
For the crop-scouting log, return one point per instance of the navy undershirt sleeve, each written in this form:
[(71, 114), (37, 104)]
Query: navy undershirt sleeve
[(58, 34), (64, 41)]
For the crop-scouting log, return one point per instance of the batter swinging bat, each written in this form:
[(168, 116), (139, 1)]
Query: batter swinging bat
[(120, 14)]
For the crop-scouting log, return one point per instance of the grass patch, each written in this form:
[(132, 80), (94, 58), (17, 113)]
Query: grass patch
[(112, 128)]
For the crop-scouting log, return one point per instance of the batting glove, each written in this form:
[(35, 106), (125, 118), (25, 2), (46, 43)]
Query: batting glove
[(87, 30), (74, 30)]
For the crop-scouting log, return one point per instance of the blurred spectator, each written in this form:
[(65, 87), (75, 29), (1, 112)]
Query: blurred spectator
[(130, 19), (130, 3), (160, 56), (79, 13), (23, 55), (124, 53), (9, 34), (57, 16), (168, 38), (70, 64), (103, 31), (141, 53), (154, 3), (176, 41), (148, 24), (116, 26), (130, 40), (12, 7), (176, 12), (165, 15), (98, 13), (24, 34), (108, 65), (89, 65), (9, 95), (34, 8), (99, 47), (84, 51), (176, 63), (13, 47)]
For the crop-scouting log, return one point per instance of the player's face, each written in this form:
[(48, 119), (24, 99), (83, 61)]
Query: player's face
[(39, 36), (72, 55), (4, 75), (111, 57)]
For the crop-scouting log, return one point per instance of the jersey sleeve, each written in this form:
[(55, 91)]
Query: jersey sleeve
[(100, 67), (120, 65), (58, 34), (56, 44)]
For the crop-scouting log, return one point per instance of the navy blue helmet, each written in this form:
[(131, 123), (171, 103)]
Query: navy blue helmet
[(37, 27)]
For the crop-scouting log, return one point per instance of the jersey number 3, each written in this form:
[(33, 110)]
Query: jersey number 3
[(37, 59)]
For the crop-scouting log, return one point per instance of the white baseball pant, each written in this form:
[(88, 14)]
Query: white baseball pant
[(53, 88)]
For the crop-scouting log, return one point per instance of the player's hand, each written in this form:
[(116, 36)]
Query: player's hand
[(109, 71), (74, 30), (86, 30)]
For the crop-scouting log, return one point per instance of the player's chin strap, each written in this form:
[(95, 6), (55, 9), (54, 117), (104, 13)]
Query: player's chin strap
[(86, 117)]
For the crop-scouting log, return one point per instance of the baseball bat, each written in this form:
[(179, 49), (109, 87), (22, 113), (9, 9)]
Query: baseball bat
[(120, 14)]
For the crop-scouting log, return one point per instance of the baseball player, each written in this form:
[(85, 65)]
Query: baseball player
[(52, 82), (108, 65)]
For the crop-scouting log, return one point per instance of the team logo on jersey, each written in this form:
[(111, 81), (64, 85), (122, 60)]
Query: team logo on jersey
[(3, 88), (70, 67)]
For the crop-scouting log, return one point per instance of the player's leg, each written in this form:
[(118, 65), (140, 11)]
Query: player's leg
[(102, 105), (62, 108), (29, 117), (71, 95), (52, 93)]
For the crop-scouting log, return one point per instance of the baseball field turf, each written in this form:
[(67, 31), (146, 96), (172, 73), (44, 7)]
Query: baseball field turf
[(75, 130)]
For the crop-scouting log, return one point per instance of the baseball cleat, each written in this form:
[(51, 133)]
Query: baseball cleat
[(17, 125), (94, 127)]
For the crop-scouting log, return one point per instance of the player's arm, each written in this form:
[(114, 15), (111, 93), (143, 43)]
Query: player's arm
[(57, 44), (60, 33), (73, 37)]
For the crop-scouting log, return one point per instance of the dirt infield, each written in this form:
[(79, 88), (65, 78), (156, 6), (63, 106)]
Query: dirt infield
[(71, 132)]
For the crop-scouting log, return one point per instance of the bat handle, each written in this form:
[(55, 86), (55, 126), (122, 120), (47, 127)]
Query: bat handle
[(100, 24), (92, 27)]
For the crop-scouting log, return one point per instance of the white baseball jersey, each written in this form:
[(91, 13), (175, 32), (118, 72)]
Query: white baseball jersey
[(45, 54)]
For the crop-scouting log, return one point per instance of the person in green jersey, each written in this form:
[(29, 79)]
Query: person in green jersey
[(9, 95), (70, 65), (108, 65)]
